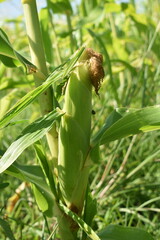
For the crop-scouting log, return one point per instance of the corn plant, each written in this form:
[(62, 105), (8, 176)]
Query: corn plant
[(60, 185)]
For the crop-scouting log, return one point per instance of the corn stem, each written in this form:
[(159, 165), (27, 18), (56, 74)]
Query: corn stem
[(38, 59)]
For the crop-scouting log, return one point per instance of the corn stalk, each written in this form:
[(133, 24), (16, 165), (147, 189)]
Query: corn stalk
[(70, 148), (38, 59)]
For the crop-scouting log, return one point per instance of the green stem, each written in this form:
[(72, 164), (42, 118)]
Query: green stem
[(38, 59)]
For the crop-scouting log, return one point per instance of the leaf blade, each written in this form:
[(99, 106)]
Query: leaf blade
[(30, 134), (58, 75), (116, 232), (134, 122)]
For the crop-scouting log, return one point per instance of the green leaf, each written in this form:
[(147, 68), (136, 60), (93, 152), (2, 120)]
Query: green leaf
[(7, 230), (86, 228), (10, 57), (119, 50), (133, 122), (44, 201), (88, 6), (3, 185), (111, 119), (112, 8), (95, 152), (57, 76), (95, 16), (7, 61), (90, 210), (40, 153), (126, 64), (115, 232), (61, 7), (44, 21), (30, 134), (34, 174)]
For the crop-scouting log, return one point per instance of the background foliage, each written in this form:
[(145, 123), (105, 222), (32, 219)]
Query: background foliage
[(125, 180)]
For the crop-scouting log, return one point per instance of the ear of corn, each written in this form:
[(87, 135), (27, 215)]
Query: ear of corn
[(75, 129)]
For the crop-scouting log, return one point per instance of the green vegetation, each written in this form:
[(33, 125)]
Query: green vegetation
[(79, 142)]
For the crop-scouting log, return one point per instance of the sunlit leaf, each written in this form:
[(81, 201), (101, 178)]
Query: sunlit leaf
[(111, 119), (94, 16), (30, 134), (10, 57), (112, 7), (56, 77), (61, 6), (88, 6), (129, 123), (44, 21)]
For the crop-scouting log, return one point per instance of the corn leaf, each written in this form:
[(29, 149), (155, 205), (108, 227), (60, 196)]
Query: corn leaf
[(34, 174), (41, 156), (30, 134), (128, 123), (86, 228), (116, 232), (90, 210), (44, 21), (10, 57), (111, 119), (57, 76)]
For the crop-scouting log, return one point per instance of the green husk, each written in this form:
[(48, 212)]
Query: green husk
[(75, 129)]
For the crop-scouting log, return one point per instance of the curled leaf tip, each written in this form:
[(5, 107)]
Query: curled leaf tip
[(95, 68)]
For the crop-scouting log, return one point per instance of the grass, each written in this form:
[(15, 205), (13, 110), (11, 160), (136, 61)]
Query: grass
[(127, 191)]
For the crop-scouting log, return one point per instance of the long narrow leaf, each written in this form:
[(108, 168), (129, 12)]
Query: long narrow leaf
[(86, 228), (30, 134), (137, 121), (34, 174), (57, 75), (41, 156), (10, 57), (111, 119)]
